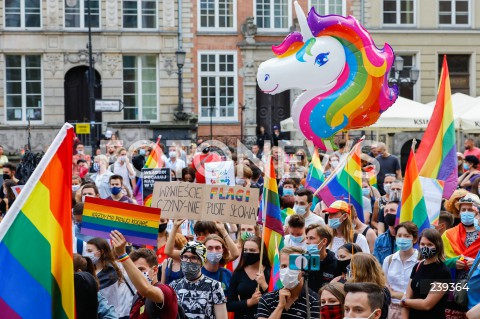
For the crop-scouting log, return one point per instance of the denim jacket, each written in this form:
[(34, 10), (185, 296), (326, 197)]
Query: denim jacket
[(384, 246)]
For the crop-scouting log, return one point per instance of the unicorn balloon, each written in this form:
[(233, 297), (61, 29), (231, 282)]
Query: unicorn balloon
[(343, 73)]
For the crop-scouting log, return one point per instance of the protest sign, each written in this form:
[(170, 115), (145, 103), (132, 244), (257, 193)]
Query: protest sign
[(432, 193), (232, 204), (178, 200), (139, 224), (220, 173), (149, 177)]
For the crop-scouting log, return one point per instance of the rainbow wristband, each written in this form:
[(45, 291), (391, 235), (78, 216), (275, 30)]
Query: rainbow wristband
[(123, 257)]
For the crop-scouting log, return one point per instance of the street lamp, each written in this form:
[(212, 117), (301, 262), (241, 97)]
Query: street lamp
[(180, 56), (409, 81)]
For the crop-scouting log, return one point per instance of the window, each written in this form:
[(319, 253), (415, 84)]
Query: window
[(273, 14), (459, 71), (399, 12), (139, 14), (218, 86), (140, 88), (216, 14), (454, 12), (405, 91), (23, 94), (324, 7), (76, 13), (22, 13)]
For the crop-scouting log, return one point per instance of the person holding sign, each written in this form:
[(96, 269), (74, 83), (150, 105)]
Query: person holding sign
[(153, 300)]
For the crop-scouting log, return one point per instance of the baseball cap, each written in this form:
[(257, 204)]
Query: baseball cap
[(338, 206), (275, 127)]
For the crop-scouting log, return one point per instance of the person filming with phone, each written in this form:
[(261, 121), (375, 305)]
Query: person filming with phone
[(291, 300)]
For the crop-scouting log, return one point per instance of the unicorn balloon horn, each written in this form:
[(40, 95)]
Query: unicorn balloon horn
[(302, 20)]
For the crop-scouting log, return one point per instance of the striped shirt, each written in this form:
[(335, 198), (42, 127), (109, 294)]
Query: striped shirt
[(298, 310)]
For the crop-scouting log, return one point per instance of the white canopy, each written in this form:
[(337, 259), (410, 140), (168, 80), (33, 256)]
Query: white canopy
[(462, 104)]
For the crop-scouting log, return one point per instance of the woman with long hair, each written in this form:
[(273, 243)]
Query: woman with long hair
[(426, 296), (113, 284), (344, 256), (9, 197), (171, 267), (365, 268), (332, 299), (218, 256), (102, 175), (248, 283)]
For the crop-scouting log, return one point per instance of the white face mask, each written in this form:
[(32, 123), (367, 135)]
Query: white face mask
[(75, 188), (363, 318), (289, 278)]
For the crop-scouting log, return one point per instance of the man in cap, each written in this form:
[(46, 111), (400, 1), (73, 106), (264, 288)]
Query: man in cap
[(200, 296), (277, 135)]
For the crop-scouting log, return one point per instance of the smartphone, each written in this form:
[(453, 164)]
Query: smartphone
[(304, 262)]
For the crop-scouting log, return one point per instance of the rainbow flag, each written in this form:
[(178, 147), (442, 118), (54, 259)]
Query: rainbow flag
[(345, 183), (413, 207), (436, 155), (454, 245), (315, 176), (275, 283), (273, 232), (154, 160), (139, 224), (36, 258)]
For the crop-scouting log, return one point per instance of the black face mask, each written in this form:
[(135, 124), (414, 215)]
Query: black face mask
[(162, 227), (390, 219), (6, 176), (206, 150), (342, 265), (250, 258)]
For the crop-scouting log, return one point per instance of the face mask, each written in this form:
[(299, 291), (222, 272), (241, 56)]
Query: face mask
[(404, 243), (92, 257), (145, 274), (386, 188), (467, 218), (142, 152), (296, 239), (334, 164), (313, 249), (390, 219), (6, 176), (395, 195), (240, 181), (172, 154), (288, 192), (162, 227), (334, 223), (80, 152), (331, 311), (115, 190), (75, 188), (214, 258), (250, 258), (206, 150), (300, 210), (342, 265), (465, 166), (122, 158), (289, 278), (427, 252), (190, 270), (96, 167), (362, 318), (366, 191)]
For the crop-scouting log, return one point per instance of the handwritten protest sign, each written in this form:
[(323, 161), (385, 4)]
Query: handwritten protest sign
[(181, 200), (139, 224), (220, 173), (149, 177)]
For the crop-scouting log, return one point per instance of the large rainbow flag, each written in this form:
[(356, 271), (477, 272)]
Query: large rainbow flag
[(315, 176), (345, 183), (154, 160), (413, 207), (454, 245), (436, 155), (36, 258), (272, 220)]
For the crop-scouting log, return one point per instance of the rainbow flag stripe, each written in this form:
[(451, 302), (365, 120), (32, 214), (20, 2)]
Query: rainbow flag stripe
[(36, 272), (139, 224), (436, 155), (345, 183), (154, 160), (315, 176), (275, 282), (413, 207)]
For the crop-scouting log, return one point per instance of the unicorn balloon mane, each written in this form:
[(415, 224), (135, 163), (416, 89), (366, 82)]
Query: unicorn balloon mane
[(343, 73)]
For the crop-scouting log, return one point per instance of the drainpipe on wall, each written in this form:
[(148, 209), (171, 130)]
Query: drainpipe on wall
[(362, 11)]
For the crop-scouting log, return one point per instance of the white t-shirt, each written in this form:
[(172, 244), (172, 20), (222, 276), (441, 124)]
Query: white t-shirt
[(397, 272), (309, 220), (361, 241)]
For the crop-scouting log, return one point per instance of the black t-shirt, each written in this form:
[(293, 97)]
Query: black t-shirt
[(421, 285), (328, 271), (242, 288), (298, 310), (388, 165)]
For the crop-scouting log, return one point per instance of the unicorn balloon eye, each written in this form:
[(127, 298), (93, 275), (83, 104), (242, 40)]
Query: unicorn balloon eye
[(321, 59), (343, 74)]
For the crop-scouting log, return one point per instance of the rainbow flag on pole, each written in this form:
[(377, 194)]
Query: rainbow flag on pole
[(315, 176), (36, 258), (345, 183), (275, 283), (413, 207), (273, 232), (436, 155), (154, 160)]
